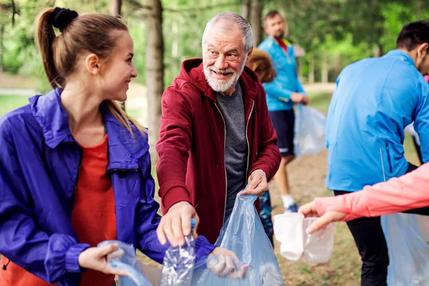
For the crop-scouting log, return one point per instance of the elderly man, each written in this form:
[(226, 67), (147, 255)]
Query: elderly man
[(282, 93), (216, 136)]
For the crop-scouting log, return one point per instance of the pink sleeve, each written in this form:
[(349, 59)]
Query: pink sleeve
[(398, 194)]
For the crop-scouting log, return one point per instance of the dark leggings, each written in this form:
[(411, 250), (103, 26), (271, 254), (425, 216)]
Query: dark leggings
[(371, 243)]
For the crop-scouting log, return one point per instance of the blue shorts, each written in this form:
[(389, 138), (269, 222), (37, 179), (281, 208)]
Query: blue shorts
[(284, 124)]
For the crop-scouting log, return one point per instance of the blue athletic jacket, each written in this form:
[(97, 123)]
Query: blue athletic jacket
[(286, 81), (373, 102), (39, 164)]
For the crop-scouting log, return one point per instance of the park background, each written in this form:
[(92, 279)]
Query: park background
[(333, 34)]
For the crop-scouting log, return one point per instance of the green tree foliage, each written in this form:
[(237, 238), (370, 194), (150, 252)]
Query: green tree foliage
[(343, 31), (333, 31)]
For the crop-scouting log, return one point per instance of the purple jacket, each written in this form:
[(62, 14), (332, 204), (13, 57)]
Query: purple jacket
[(39, 165)]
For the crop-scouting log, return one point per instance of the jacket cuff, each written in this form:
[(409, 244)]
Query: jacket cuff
[(72, 257), (173, 196), (203, 248)]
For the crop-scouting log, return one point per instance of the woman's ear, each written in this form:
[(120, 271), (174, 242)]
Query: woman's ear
[(92, 63)]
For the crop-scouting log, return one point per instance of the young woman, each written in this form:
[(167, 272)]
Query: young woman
[(74, 169)]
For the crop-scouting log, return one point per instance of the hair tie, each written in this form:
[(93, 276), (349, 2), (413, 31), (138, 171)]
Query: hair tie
[(62, 17)]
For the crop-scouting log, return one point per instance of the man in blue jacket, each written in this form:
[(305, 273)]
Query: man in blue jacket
[(374, 100), (282, 93)]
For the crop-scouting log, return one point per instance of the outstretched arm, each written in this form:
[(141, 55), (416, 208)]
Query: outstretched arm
[(409, 191)]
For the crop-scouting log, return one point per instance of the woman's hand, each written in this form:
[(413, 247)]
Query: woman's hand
[(95, 258), (309, 210)]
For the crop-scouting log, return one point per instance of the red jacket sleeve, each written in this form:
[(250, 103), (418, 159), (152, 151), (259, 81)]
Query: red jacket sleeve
[(173, 146)]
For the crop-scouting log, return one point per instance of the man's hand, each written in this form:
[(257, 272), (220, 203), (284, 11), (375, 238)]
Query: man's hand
[(305, 100), (224, 263), (176, 224), (257, 184), (298, 97), (309, 210), (95, 258)]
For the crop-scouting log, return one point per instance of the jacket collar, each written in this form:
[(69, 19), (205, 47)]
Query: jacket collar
[(52, 117), (401, 55), (124, 149), (192, 71)]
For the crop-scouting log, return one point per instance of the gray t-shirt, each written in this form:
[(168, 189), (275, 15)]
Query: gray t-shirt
[(232, 108)]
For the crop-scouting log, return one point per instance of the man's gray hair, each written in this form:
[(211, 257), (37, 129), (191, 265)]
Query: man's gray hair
[(243, 24)]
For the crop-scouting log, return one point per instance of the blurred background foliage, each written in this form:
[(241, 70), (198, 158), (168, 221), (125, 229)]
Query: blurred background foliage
[(333, 33)]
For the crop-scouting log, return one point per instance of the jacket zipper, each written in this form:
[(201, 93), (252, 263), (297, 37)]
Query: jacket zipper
[(247, 139), (388, 158), (224, 169), (76, 175)]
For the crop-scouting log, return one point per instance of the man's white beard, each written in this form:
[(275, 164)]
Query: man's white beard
[(220, 85)]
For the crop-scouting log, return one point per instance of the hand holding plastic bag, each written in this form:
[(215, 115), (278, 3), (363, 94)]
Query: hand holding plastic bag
[(125, 259)]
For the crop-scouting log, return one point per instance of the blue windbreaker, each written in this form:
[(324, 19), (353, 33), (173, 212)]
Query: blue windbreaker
[(39, 165), (373, 102), (286, 81)]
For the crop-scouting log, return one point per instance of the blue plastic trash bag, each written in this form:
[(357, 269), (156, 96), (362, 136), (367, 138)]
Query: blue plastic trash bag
[(125, 259), (309, 131), (245, 236), (178, 263), (408, 251)]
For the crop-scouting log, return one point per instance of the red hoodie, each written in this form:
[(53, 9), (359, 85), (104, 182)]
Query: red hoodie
[(191, 145)]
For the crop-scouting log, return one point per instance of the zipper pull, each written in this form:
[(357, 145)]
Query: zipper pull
[(5, 265)]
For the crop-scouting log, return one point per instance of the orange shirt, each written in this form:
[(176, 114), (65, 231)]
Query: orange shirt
[(15, 275), (93, 218)]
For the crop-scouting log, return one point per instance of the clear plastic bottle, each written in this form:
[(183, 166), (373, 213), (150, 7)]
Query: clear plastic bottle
[(179, 263)]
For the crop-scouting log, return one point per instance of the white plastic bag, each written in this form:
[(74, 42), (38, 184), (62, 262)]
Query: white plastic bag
[(309, 136), (408, 250), (295, 243)]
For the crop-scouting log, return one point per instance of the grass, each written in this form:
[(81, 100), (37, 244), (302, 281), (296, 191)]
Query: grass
[(320, 101), (10, 102)]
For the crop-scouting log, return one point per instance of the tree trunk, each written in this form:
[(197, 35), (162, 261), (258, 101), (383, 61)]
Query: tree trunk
[(245, 9), (115, 7), (325, 69), (154, 66), (1, 48), (311, 71), (255, 20), (115, 10)]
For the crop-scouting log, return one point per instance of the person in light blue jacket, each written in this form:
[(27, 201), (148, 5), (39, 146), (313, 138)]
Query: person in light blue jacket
[(282, 93), (374, 100)]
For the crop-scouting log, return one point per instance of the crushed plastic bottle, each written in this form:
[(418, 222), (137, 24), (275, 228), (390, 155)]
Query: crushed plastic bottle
[(179, 263)]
